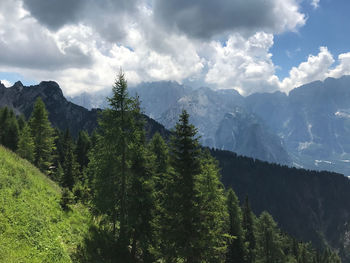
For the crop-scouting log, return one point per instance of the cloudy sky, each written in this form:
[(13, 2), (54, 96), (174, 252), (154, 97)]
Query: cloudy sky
[(249, 45)]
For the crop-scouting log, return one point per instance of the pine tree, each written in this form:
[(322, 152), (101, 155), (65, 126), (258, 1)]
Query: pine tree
[(236, 249), (213, 212), (249, 231), (269, 245), (183, 210), (111, 160), (26, 144), (82, 149), (42, 134), (162, 180), (9, 130), (70, 165)]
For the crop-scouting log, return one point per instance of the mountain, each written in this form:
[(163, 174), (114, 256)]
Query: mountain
[(307, 128), (63, 114), (313, 120), (33, 226)]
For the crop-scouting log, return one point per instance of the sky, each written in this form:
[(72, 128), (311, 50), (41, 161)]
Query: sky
[(249, 45)]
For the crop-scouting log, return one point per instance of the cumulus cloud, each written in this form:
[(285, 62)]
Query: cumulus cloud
[(315, 68), (243, 64), (224, 43), (207, 18)]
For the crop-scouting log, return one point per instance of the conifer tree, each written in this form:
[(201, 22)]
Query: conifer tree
[(42, 133), (249, 231), (26, 144), (183, 209), (70, 165), (236, 249), (213, 212), (269, 245), (9, 130), (111, 160), (82, 149)]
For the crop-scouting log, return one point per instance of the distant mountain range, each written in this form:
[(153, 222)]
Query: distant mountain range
[(308, 128)]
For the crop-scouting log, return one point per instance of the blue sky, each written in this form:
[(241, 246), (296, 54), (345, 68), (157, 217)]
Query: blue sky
[(327, 25), (248, 45)]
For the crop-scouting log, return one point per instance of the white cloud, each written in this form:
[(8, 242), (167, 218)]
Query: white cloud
[(315, 3), (343, 67), (315, 68), (242, 64)]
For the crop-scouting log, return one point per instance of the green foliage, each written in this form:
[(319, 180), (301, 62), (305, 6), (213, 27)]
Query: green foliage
[(42, 133), (26, 144), (33, 227), (9, 131), (82, 149), (269, 241), (236, 249), (66, 199)]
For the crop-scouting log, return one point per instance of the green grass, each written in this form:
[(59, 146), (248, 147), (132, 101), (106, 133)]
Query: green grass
[(33, 227)]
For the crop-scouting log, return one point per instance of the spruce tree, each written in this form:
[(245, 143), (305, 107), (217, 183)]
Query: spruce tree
[(183, 210), (212, 244), (110, 163), (43, 136), (269, 244), (236, 249), (70, 165), (26, 144), (82, 149), (248, 224), (9, 130)]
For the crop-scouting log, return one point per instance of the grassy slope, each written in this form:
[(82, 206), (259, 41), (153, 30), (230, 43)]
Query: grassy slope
[(33, 227)]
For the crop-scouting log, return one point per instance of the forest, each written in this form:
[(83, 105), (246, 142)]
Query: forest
[(152, 200)]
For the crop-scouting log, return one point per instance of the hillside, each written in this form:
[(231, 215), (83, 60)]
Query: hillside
[(33, 226), (310, 205)]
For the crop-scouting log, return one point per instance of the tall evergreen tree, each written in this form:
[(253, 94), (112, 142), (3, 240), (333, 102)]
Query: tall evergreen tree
[(248, 224), (82, 149), (42, 133), (111, 160), (69, 165), (269, 245), (183, 209), (26, 144), (212, 244), (236, 249), (9, 130)]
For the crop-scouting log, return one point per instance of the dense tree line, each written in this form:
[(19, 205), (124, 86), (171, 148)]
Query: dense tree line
[(154, 201)]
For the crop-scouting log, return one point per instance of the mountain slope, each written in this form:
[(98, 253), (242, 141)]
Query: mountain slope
[(33, 227), (311, 206)]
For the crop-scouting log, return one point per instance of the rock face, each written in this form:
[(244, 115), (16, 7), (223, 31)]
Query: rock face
[(246, 135), (62, 113), (313, 121)]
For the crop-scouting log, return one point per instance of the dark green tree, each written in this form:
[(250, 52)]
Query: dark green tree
[(70, 166), (43, 136), (236, 249), (26, 144), (111, 160), (248, 224), (212, 233), (9, 131), (82, 149), (269, 242)]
